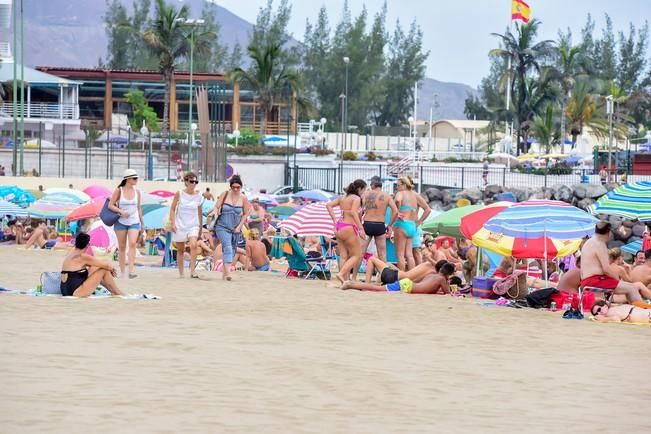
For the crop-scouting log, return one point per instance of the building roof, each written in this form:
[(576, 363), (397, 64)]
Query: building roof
[(127, 74), (32, 76), (464, 123)]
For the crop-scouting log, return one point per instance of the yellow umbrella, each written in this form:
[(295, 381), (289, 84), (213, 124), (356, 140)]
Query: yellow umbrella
[(524, 248)]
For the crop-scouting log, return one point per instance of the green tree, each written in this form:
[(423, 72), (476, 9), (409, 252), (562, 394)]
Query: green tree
[(316, 48), (632, 57), (568, 67), (545, 129), (267, 78), (117, 24), (235, 59), (527, 57), (214, 54), (141, 111)]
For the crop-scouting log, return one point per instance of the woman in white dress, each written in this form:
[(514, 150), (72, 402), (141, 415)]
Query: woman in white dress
[(126, 202), (186, 217)]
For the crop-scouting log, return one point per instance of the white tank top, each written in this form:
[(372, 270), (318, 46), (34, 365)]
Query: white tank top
[(131, 206), (186, 211)]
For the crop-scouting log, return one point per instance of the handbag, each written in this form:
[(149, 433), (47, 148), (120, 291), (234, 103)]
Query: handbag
[(51, 282), (108, 216)]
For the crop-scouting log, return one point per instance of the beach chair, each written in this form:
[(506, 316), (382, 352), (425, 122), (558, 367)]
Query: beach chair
[(303, 265), (608, 293)]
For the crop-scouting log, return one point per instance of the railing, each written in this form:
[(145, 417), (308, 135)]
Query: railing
[(43, 110)]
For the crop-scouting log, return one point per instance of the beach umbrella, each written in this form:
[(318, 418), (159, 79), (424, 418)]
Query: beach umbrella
[(16, 195), (97, 191), (207, 205), (102, 235), (36, 193), (282, 211), (150, 199), (473, 222), (633, 247), (155, 219), (88, 210), (314, 195), (151, 207), (8, 208), (264, 199), (632, 201), (48, 209), (449, 222), (78, 196), (162, 193), (311, 220), (520, 247)]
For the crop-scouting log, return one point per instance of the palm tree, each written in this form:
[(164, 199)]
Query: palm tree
[(545, 128), (526, 56), (268, 78), (168, 42), (570, 60), (582, 110)]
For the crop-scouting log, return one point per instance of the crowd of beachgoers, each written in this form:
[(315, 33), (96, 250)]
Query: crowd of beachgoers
[(239, 235)]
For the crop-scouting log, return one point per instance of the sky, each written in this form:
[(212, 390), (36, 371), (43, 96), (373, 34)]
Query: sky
[(457, 32)]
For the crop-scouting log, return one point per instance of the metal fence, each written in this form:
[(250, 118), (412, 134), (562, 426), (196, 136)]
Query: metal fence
[(333, 179)]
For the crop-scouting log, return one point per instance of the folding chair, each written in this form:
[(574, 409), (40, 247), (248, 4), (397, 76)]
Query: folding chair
[(608, 293), (303, 264)]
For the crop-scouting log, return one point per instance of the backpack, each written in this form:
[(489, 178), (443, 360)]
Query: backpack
[(541, 298)]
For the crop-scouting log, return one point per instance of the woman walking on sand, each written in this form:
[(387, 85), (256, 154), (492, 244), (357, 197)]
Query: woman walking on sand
[(126, 202), (349, 229), (186, 215), (231, 209)]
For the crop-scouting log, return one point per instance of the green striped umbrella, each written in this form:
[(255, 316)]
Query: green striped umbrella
[(449, 222), (632, 201)]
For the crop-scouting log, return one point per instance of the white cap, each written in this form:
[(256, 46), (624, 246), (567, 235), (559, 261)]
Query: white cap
[(129, 173)]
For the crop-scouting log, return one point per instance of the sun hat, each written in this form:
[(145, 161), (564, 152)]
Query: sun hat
[(129, 173)]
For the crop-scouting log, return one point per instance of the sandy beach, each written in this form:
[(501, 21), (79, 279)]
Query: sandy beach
[(267, 354)]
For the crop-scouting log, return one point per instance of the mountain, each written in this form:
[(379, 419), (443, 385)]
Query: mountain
[(71, 33)]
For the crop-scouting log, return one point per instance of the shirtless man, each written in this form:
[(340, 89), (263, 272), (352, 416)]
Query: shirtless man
[(571, 280), (389, 273), (431, 284), (639, 258), (39, 236), (619, 266), (597, 272), (604, 312), (375, 205), (256, 253), (436, 254), (449, 253), (642, 273)]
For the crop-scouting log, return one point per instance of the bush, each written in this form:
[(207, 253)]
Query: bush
[(247, 137), (282, 150), (320, 151), (249, 150), (350, 156), (370, 156)]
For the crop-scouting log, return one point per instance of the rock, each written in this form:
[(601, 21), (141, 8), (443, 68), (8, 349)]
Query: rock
[(615, 243), (622, 233), (447, 197), (579, 191), (520, 195), (536, 193), (634, 239), (584, 203), (610, 186), (563, 193), (595, 191), (472, 194), (493, 189), (628, 223), (639, 229), (432, 194), (436, 204), (615, 222)]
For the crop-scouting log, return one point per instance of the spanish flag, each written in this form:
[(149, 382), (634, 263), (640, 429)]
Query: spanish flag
[(520, 11)]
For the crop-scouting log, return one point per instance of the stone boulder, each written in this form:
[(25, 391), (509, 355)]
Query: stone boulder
[(584, 203), (595, 191), (628, 223), (472, 194), (615, 222), (493, 189), (615, 243), (432, 194), (436, 204), (579, 191), (447, 197), (536, 193), (622, 233), (563, 193), (639, 229)]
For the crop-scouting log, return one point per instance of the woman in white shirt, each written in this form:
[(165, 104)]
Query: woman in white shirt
[(126, 202), (186, 216)]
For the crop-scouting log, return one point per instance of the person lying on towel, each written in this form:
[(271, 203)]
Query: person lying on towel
[(430, 284)]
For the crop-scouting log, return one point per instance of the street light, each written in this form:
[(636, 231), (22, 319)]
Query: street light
[(342, 97), (236, 134), (145, 133), (346, 62), (610, 102), (192, 23), (322, 123)]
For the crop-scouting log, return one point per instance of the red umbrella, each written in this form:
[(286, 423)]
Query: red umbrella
[(311, 220), (162, 193), (473, 222), (87, 210)]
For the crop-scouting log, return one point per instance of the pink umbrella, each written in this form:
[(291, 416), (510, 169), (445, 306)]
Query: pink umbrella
[(311, 220), (162, 193), (97, 191), (102, 235)]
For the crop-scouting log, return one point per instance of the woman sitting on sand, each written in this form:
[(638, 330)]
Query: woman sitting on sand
[(349, 229), (81, 273), (604, 312)]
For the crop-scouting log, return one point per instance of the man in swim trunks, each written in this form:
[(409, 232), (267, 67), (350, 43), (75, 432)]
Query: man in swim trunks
[(597, 272), (435, 254), (390, 273), (375, 205), (256, 253), (642, 273), (605, 312), (571, 280), (431, 284)]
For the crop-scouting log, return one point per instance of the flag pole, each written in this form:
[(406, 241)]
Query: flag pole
[(508, 91)]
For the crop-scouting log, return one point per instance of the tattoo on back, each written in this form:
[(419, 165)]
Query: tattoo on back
[(370, 201)]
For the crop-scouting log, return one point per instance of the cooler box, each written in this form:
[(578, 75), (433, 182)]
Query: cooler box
[(482, 287)]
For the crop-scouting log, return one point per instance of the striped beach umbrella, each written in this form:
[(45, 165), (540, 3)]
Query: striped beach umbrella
[(519, 247), (47, 209), (632, 201), (97, 191), (87, 210), (311, 220), (474, 221), (76, 195), (8, 208), (449, 222), (17, 195)]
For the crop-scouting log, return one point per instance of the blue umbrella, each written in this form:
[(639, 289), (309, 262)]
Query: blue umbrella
[(314, 195), (8, 208), (633, 247), (16, 195), (155, 219), (207, 206), (574, 159)]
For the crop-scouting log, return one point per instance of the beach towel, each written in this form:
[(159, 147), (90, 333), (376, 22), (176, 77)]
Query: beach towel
[(100, 292)]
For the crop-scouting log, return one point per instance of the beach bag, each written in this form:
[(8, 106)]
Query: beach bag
[(541, 298), (51, 282), (108, 217)]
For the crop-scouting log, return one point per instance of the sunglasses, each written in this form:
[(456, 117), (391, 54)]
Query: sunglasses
[(192, 181), (597, 311), (135, 178)]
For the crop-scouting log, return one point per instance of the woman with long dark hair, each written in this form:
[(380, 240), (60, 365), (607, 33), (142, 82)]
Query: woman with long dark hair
[(348, 229), (126, 201)]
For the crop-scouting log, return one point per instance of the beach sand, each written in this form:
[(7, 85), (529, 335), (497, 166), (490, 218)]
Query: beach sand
[(268, 354)]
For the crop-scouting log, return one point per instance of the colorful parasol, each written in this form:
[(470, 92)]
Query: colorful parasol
[(102, 235), (632, 201), (449, 222), (48, 209), (162, 193), (8, 208), (473, 222), (68, 194), (311, 220), (87, 210), (16, 195), (97, 191), (155, 219), (518, 247)]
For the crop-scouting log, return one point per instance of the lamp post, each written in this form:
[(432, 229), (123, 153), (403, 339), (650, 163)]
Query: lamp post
[(322, 123), (128, 145), (192, 23), (145, 133), (411, 129), (343, 137), (609, 111), (236, 134), (193, 129), (346, 62)]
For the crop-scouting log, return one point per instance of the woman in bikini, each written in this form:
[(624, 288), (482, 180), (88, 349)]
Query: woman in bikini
[(232, 209), (349, 229), (81, 273), (408, 203), (604, 312)]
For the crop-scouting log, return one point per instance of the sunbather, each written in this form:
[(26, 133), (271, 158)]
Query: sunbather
[(430, 284), (389, 273), (81, 273), (604, 312)]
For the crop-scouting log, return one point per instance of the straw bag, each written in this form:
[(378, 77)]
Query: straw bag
[(51, 282)]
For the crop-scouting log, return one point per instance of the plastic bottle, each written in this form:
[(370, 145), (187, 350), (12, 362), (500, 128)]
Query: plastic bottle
[(552, 306)]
